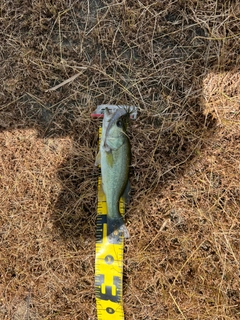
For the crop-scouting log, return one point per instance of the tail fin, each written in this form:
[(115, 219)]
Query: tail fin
[(116, 229)]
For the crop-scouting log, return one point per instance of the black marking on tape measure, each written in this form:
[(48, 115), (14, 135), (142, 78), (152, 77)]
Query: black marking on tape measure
[(109, 259), (101, 220), (107, 293), (110, 310), (116, 234), (116, 237)]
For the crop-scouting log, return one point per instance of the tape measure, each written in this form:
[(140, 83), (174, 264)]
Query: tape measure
[(109, 252), (108, 263)]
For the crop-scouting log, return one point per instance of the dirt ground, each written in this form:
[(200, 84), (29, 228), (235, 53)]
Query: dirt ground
[(179, 63)]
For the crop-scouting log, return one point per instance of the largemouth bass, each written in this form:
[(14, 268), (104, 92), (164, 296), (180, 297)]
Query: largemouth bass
[(114, 156)]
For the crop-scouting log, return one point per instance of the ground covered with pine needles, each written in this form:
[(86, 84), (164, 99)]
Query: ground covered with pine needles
[(179, 63)]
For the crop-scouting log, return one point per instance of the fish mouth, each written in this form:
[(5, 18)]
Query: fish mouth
[(121, 112)]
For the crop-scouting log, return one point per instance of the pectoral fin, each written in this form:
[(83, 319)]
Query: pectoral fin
[(98, 159), (109, 158)]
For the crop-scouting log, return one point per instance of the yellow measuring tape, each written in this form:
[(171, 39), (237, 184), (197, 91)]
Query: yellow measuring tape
[(108, 263)]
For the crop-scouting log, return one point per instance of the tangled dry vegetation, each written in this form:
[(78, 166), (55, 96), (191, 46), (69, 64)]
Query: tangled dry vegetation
[(178, 62)]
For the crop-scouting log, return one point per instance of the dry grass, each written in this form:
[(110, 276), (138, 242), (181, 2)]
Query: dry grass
[(178, 61)]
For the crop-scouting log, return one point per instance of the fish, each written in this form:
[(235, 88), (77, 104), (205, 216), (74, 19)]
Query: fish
[(114, 158)]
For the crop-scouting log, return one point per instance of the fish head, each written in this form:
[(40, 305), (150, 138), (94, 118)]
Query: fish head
[(114, 127)]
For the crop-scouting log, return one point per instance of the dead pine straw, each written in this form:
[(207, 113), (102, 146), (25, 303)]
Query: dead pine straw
[(178, 62)]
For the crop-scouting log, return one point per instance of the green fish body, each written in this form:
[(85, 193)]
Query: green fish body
[(114, 157)]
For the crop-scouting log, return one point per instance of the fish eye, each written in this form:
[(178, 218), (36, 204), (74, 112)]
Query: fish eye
[(119, 123)]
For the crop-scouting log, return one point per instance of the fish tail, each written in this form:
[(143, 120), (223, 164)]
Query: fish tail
[(116, 228)]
